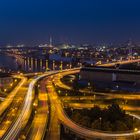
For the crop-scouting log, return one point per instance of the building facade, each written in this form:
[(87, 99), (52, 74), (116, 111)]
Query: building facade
[(110, 75)]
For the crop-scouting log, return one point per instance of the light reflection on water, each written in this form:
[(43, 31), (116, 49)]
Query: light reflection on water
[(8, 62)]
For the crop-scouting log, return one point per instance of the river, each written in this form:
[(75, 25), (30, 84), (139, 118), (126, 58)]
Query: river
[(8, 62)]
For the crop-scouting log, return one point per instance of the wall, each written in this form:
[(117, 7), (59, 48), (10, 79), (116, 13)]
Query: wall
[(108, 76)]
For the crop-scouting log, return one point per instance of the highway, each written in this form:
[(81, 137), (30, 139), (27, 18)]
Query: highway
[(125, 96), (23, 116), (74, 127), (57, 112), (54, 127), (2, 99), (61, 75), (91, 105), (21, 109), (120, 62), (25, 113), (8, 100), (13, 110), (39, 124), (7, 113), (41, 119)]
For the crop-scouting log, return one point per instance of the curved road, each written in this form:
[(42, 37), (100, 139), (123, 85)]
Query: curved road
[(22, 119), (74, 127), (63, 118), (8, 100)]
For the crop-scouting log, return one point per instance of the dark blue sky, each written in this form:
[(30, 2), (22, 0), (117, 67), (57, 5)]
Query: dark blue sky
[(72, 21)]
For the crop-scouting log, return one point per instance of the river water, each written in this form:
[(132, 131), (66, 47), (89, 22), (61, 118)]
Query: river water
[(8, 62)]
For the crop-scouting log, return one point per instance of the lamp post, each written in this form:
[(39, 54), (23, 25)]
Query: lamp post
[(32, 64), (36, 64), (70, 66), (40, 64), (135, 130), (61, 66), (53, 65), (25, 63), (47, 65), (100, 119), (28, 63)]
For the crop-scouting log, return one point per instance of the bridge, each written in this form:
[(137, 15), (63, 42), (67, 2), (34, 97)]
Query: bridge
[(48, 80)]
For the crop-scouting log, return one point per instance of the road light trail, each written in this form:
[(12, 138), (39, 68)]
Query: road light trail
[(76, 128), (120, 62), (24, 115), (27, 107), (13, 110), (38, 126), (89, 105), (2, 99), (26, 110), (8, 100), (54, 127), (58, 83), (40, 120)]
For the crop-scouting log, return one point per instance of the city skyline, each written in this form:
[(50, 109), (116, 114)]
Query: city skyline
[(33, 22), (69, 70)]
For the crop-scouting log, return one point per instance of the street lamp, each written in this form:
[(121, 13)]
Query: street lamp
[(36, 64), (40, 64), (70, 66), (32, 64), (5, 90), (100, 122), (46, 64), (28, 63), (61, 66), (53, 65), (25, 63), (135, 130), (11, 84)]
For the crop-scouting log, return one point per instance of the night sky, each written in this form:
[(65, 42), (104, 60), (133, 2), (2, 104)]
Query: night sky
[(69, 21)]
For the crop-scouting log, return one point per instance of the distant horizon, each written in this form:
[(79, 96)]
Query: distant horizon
[(81, 21), (66, 43)]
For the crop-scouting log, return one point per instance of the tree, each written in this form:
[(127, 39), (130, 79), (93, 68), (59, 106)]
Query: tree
[(76, 116), (106, 126), (96, 124), (115, 113), (120, 126), (129, 122), (85, 121), (95, 113)]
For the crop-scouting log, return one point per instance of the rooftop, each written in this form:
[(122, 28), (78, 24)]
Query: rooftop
[(111, 70)]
